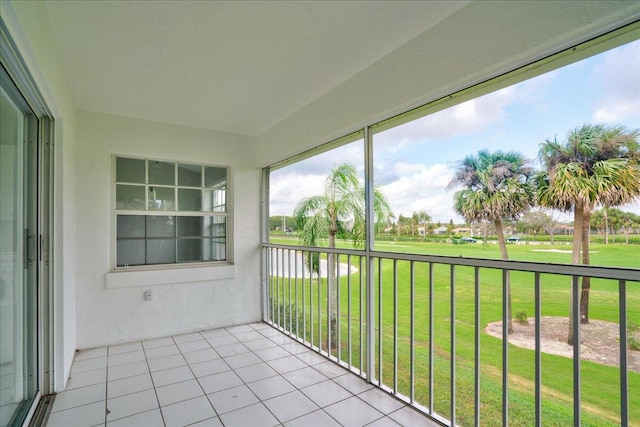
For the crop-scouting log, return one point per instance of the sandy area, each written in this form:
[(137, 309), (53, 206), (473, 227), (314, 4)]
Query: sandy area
[(599, 340)]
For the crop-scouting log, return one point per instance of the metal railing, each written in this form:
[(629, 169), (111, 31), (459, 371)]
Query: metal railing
[(414, 326)]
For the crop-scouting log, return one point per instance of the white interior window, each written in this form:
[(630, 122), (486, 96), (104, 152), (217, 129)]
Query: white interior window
[(169, 212)]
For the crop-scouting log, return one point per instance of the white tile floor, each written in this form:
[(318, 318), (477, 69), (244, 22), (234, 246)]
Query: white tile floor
[(248, 375)]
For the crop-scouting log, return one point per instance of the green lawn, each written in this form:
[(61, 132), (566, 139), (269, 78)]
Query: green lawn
[(600, 383)]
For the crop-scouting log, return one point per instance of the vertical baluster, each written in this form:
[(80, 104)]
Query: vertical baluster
[(538, 350), (575, 302), (288, 310), (329, 308), (283, 294), (361, 297), (505, 349), (296, 284), (319, 304), (476, 358), (310, 261), (370, 336), (431, 303), (270, 283), (395, 326), (380, 321), (412, 343), (277, 287), (452, 305), (624, 372), (304, 299), (338, 312), (349, 309)]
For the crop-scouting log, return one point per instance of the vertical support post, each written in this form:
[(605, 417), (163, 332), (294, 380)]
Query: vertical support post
[(368, 247), (264, 237)]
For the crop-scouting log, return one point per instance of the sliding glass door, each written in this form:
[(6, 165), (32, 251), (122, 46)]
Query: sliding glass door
[(20, 245)]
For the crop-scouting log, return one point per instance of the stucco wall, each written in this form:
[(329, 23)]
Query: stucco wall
[(108, 315), (30, 29)]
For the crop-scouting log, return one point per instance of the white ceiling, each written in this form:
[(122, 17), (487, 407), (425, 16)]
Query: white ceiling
[(239, 67)]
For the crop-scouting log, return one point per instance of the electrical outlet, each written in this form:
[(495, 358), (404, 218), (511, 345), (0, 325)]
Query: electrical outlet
[(148, 295)]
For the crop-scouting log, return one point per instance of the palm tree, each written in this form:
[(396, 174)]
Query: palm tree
[(422, 218), (597, 164), (339, 212), (496, 187)]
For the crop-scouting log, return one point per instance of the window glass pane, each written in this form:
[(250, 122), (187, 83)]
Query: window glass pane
[(214, 201), (215, 226), (130, 197), (189, 200), (215, 249), (161, 251), (162, 199), (160, 226), (215, 177), (130, 252), (189, 226), (189, 250), (189, 175), (129, 170), (162, 173), (131, 226)]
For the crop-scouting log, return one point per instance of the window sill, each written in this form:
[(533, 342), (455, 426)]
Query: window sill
[(169, 275)]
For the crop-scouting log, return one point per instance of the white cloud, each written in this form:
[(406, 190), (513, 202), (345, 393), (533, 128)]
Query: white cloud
[(618, 76), (287, 189), (421, 187), (470, 117)]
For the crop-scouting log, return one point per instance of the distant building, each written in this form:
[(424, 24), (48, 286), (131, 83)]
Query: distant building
[(440, 230), (461, 230)]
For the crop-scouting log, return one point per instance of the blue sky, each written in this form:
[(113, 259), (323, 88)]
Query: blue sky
[(414, 162)]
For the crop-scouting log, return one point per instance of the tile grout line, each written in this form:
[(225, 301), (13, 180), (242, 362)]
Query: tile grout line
[(278, 345), (196, 377), (106, 389), (288, 348), (155, 392), (328, 379), (251, 390)]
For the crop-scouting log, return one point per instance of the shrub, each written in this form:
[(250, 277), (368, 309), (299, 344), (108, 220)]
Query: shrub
[(633, 336), (285, 317), (521, 317)]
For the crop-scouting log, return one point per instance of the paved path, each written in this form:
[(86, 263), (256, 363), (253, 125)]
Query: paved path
[(291, 264)]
